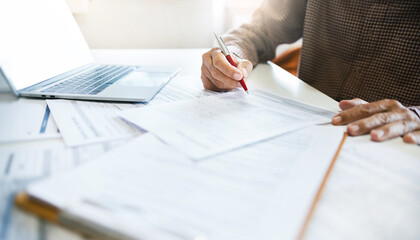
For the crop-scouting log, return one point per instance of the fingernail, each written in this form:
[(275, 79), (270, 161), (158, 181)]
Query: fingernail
[(237, 76), (336, 120), (353, 128), (409, 138), (378, 133), (244, 72)]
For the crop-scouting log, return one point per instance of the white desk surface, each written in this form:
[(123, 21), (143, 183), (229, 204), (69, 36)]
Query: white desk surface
[(264, 76)]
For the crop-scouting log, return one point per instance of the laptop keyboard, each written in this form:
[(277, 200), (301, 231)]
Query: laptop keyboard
[(92, 81)]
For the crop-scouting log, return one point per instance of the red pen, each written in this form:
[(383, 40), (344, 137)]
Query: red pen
[(226, 52)]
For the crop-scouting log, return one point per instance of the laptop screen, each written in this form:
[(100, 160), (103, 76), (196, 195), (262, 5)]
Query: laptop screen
[(39, 40)]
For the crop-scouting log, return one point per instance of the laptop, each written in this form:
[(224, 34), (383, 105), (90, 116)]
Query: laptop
[(43, 54)]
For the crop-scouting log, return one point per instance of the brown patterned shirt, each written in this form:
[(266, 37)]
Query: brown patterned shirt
[(351, 48)]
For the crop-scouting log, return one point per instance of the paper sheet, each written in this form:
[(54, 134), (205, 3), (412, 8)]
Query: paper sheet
[(212, 125), (182, 89), (83, 122), (372, 193), (250, 193), (21, 164), (26, 119)]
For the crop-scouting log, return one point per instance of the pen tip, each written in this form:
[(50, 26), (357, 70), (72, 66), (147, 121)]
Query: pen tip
[(247, 91)]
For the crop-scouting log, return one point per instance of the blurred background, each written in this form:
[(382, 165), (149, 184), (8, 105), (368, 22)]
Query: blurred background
[(158, 23)]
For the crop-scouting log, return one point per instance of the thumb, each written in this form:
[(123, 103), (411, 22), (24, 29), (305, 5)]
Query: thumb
[(245, 66), (347, 104)]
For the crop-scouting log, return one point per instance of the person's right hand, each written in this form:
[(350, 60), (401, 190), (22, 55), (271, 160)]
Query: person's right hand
[(218, 75)]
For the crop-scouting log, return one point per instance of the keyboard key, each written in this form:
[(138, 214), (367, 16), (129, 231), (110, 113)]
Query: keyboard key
[(93, 81)]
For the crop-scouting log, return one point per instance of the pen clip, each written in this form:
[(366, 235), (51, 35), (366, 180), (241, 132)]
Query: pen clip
[(222, 45)]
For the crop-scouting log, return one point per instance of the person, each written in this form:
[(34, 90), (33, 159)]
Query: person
[(352, 50)]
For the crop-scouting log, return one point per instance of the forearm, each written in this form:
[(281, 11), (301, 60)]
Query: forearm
[(275, 22)]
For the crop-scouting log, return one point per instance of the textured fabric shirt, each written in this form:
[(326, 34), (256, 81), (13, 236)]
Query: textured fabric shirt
[(351, 48)]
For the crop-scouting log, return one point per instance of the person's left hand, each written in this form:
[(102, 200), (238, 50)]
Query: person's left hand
[(383, 119)]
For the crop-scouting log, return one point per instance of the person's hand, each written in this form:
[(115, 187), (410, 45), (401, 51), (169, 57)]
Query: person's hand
[(384, 120), (218, 75)]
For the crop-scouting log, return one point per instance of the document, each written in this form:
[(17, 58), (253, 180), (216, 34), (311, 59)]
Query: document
[(21, 164), (263, 191), (373, 193), (208, 126), (182, 89), (84, 122), (25, 120)]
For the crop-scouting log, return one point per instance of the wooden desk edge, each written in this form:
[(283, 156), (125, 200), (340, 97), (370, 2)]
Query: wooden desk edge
[(37, 207)]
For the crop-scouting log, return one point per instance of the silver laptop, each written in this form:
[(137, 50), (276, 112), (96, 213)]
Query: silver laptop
[(43, 54)]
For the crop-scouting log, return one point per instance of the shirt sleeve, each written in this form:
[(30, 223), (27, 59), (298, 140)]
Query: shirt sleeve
[(273, 23)]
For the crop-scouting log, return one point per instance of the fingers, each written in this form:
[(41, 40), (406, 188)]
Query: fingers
[(218, 74), (364, 126), (214, 84), (219, 79), (214, 80), (208, 84), (220, 64), (413, 137), (347, 104), (245, 66), (394, 129), (384, 120), (365, 110)]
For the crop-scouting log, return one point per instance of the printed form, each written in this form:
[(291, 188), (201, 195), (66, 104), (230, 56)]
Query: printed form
[(86, 122), (211, 125), (21, 164), (26, 119), (373, 193), (182, 89), (83, 122), (155, 192)]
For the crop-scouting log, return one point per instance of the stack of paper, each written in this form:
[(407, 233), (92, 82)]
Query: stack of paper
[(21, 164), (261, 187), (147, 190), (86, 122), (89, 128)]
